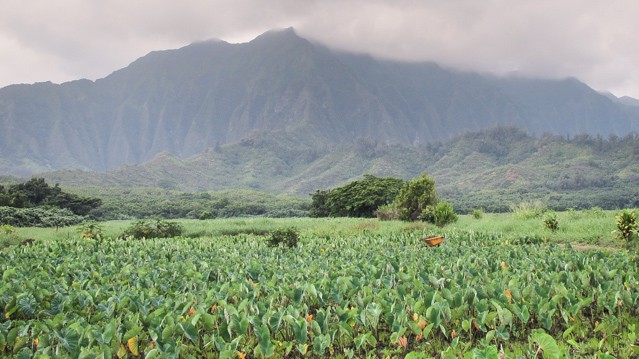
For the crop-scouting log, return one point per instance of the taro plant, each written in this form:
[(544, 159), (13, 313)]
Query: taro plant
[(626, 225)]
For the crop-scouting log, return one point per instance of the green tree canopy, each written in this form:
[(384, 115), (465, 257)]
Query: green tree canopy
[(36, 192), (356, 199), (417, 195)]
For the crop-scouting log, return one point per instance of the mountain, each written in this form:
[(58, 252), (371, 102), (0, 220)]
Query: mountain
[(195, 99)]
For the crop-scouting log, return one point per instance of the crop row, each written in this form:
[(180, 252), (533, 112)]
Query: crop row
[(331, 296)]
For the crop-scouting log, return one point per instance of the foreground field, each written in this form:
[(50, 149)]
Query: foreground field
[(352, 288)]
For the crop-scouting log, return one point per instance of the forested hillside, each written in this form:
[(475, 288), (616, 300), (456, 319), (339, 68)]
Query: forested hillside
[(491, 169)]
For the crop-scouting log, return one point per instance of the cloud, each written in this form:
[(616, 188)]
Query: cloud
[(588, 39)]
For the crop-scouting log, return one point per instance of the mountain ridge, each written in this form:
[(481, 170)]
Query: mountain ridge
[(209, 94)]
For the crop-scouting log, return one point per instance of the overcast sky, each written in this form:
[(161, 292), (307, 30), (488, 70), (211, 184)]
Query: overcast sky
[(592, 40)]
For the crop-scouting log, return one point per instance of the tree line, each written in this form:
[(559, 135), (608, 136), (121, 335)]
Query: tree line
[(36, 192)]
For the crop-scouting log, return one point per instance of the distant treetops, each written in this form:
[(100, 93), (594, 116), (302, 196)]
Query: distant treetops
[(387, 198), (36, 193)]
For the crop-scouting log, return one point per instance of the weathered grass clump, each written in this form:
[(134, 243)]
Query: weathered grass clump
[(528, 209)]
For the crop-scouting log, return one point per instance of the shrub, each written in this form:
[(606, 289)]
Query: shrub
[(551, 222), (626, 225), (154, 229), (444, 214), (287, 236), (478, 213), (427, 215), (387, 213), (572, 213), (38, 217), (415, 197), (206, 215)]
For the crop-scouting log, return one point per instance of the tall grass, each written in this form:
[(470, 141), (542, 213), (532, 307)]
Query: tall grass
[(593, 227), (528, 209)]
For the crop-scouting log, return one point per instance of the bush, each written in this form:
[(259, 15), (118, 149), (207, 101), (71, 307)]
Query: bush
[(440, 214), (444, 214), (478, 213), (38, 217), (626, 225), (387, 213), (287, 236), (154, 229), (415, 197), (551, 222), (206, 215)]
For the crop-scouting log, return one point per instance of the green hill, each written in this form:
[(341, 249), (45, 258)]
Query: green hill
[(492, 169)]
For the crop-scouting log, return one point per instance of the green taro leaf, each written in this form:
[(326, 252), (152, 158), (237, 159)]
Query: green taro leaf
[(415, 355), (131, 333), (300, 328), (264, 341), (486, 353), (27, 304), (189, 331), (548, 345)]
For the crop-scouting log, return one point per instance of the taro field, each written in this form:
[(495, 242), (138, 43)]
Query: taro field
[(362, 294)]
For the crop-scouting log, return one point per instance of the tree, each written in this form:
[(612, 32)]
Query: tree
[(78, 205), (36, 192), (319, 205), (356, 199), (416, 196)]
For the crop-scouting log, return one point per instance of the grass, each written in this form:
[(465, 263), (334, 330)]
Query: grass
[(591, 228), (576, 227)]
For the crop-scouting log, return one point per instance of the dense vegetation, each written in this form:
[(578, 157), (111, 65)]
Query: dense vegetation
[(35, 203), (350, 288), (38, 217), (385, 198), (491, 169), (37, 193), (359, 198), (137, 203)]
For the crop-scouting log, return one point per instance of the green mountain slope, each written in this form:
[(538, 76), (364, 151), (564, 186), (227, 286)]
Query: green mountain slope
[(190, 101), (491, 168)]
